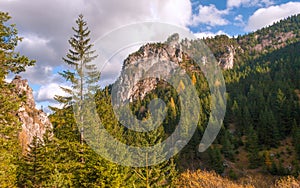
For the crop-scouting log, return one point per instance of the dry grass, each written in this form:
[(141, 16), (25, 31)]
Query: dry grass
[(287, 182), (204, 179)]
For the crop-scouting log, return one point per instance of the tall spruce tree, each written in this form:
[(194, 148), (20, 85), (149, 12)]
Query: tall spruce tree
[(10, 62), (215, 159), (84, 76), (77, 165), (227, 146), (160, 175), (80, 57), (267, 131), (252, 148), (31, 165)]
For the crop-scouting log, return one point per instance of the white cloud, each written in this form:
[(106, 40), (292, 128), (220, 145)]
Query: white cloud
[(46, 27), (249, 3), (210, 15), (171, 11), (41, 74), (36, 47), (266, 16), (234, 3), (47, 92), (239, 20), (209, 34)]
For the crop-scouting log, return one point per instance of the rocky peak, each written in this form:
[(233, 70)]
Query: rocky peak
[(225, 49), (22, 88), (150, 61), (34, 122), (226, 61), (171, 50)]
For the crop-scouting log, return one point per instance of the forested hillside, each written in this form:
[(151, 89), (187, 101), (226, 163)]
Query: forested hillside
[(259, 141)]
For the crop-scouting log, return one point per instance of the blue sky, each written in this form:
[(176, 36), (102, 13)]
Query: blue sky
[(237, 14), (46, 27)]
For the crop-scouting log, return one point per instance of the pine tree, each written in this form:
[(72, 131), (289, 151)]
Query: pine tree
[(159, 175), (246, 121), (31, 166), (181, 86), (268, 131), (281, 109), (10, 62), (227, 147), (83, 77), (77, 165), (273, 169), (252, 148), (216, 161), (64, 124), (38, 165)]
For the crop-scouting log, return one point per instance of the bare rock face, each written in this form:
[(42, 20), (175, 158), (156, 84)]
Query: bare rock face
[(227, 60), (140, 69), (143, 70), (34, 122), (278, 41)]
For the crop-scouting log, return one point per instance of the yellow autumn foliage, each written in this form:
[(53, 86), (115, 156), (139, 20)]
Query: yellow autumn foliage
[(287, 182), (181, 86), (194, 79), (172, 103), (205, 179)]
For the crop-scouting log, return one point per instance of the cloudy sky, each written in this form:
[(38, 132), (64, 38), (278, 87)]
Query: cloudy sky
[(46, 27)]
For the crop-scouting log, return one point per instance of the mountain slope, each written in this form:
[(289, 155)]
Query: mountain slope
[(250, 46), (262, 72)]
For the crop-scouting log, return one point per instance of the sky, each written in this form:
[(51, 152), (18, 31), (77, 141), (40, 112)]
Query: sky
[(45, 26)]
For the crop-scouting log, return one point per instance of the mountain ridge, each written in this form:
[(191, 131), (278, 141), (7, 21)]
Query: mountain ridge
[(255, 76), (229, 52)]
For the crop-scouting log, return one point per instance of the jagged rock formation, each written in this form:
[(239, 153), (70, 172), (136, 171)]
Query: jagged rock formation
[(276, 42), (227, 51), (227, 59), (34, 122), (142, 68)]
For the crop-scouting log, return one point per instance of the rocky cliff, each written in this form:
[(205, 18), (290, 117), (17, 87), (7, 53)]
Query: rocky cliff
[(142, 69), (226, 50), (226, 61), (162, 58), (157, 62), (34, 122)]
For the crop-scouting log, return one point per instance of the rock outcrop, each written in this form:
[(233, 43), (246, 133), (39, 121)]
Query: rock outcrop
[(142, 69), (153, 63), (34, 122), (227, 59)]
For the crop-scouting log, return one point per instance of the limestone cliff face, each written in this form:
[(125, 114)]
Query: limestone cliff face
[(142, 68), (226, 61), (34, 122)]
